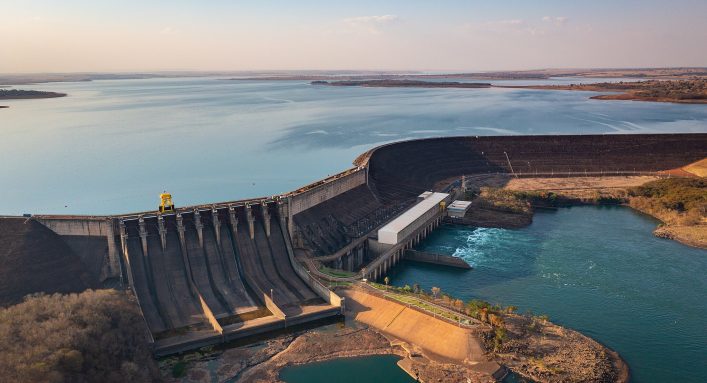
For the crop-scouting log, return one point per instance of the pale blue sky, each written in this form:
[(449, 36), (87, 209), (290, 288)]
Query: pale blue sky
[(82, 35)]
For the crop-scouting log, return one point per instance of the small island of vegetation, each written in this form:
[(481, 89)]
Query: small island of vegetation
[(19, 94)]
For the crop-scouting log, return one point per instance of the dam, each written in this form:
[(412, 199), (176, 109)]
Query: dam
[(213, 273)]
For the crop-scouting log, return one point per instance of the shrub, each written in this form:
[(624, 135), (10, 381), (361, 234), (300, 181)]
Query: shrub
[(94, 336), (675, 200)]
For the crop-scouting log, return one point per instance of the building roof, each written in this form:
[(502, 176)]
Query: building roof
[(425, 195), (404, 220), (458, 204)]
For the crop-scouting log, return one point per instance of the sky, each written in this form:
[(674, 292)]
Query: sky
[(181, 35)]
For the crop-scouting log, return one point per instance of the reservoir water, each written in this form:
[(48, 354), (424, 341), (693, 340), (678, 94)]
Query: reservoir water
[(598, 270), (112, 146), (379, 368)]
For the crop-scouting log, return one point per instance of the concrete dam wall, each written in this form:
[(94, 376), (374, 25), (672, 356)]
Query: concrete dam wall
[(398, 172), (229, 268)]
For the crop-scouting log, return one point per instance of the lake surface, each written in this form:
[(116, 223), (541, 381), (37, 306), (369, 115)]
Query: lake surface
[(112, 146), (598, 270), (379, 368)]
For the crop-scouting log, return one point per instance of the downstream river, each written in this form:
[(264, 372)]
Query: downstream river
[(379, 368), (598, 270), (112, 146)]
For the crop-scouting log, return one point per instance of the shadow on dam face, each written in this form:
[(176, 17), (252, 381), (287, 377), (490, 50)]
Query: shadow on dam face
[(36, 259), (182, 260)]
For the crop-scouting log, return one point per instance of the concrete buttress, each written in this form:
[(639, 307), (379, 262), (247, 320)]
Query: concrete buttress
[(163, 232), (233, 219), (251, 221), (266, 217), (143, 235), (217, 224)]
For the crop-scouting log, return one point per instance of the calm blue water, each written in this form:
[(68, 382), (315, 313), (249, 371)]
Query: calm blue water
[(112, 146), (598, 270), (369, 369)]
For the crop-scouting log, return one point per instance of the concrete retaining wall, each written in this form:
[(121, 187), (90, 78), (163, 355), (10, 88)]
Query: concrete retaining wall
[(93, 239), (435, 336), (325, 190), (210, 315), (76, 225), (329, 296), (270, 305), (437, 259)]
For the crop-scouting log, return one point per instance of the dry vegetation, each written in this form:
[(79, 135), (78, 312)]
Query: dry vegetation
[(94, 336), (680, 203), (676, 201), (545, 352), (692, 91), (530, 344)]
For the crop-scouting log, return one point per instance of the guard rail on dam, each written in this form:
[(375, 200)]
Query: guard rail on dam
[(225, 270)]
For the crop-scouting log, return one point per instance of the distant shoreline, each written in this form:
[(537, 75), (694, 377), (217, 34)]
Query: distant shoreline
[(403, 84), (674, 91)]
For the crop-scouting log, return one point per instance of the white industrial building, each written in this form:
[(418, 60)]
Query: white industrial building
[(414, 218), (458, 209)]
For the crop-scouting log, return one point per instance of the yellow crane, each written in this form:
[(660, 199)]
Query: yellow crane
[(166, 204)]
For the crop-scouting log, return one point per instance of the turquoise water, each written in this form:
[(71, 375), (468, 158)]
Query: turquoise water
[(598, 270), (372, 369), (112, 146)]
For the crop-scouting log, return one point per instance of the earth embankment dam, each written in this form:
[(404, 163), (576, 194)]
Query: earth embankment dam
[(211, 273)]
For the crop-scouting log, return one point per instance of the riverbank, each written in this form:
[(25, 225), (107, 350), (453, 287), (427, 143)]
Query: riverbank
[(506, 202), (263, 361), (690, 91), (544, 352), (530, 346)]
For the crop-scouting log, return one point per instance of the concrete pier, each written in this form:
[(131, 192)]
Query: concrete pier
[(163, 232), (437, 259), (199, 227), (217, 224), (266, 217), (251, 220), (233, 220), (143, 236)]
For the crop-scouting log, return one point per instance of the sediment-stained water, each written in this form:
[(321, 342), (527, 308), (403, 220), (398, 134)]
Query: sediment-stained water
[(112, 146), (378, 368), (598, 270)]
